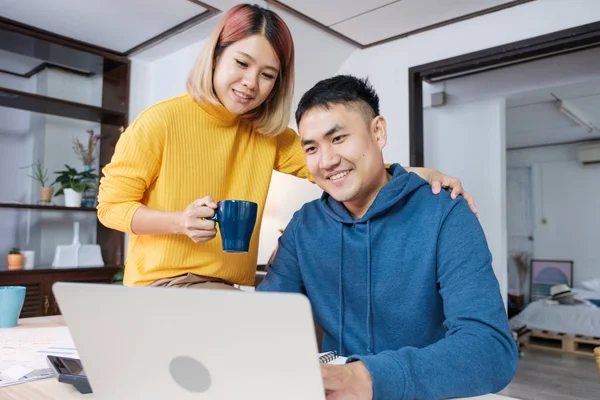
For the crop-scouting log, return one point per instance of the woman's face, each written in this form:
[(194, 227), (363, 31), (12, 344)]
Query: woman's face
[(245, 74)]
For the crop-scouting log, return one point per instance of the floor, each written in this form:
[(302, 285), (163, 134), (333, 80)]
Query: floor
[(545, 375)]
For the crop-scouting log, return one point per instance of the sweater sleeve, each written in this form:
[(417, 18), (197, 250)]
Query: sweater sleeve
[(283, 275), (133, 168), (290, 157), (477, 354)]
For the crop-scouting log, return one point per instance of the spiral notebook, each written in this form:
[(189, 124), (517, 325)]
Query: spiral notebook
[(332, 358)]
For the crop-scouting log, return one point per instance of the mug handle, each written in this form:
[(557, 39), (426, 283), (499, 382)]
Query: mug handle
[(213, 218)]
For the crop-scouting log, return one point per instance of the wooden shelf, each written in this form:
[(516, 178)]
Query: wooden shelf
[(63, 108), (112, 72), (49, 208)]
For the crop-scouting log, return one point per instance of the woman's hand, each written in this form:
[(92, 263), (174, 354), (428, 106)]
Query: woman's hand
[(194, 222), (438, 180)]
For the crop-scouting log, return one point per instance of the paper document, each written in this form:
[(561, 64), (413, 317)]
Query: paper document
[(23, 352)]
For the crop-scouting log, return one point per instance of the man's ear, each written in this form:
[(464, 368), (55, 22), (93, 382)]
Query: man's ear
[(379, 130)]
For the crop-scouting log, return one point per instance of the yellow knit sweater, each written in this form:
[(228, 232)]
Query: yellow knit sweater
[(178, 151)]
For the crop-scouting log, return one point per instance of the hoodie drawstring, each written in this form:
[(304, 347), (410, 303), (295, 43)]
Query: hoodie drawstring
[(369, 291), (341, 294), (369, 313)]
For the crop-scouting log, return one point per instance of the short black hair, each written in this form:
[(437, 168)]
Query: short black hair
[(341, 89)]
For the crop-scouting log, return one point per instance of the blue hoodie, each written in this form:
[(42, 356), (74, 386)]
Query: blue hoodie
[(408, 289)]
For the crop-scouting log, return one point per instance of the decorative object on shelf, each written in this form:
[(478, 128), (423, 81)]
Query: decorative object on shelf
[(72, 197), (77, 254), (15, 259), (90, 194), (73, 184), (87, 155), (66, 255), (40, 174), (28, 259)]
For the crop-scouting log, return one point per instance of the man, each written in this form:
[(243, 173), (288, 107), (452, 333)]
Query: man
[(399, 279)]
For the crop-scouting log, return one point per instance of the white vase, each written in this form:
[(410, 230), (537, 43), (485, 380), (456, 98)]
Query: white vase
[(72, 198), (28, 259)]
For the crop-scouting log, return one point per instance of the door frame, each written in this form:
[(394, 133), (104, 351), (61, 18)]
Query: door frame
[(539, 47)]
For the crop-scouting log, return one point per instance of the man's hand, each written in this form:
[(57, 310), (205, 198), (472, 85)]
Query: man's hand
[(347, 382), (438, 180)]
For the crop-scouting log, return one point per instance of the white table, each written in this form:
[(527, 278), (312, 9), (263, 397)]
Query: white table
[(46, 389), (51, 389)]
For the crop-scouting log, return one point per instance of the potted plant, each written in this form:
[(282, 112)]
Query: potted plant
[(15, 259), (40, 174), (73, 184)]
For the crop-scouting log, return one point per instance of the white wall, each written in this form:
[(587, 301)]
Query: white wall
[(465, 116), (477, 156), (140, 87), (566, 195), (169, 74), (387, 65), (154, 81)]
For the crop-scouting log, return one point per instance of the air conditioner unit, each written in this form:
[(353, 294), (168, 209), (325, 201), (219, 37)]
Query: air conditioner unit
[(589, 153)]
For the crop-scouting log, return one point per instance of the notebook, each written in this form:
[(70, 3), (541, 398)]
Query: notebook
[(331, 358)]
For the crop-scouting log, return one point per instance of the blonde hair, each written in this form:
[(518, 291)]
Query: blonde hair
[(244, 20)]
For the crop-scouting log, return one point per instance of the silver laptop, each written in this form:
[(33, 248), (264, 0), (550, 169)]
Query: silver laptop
[(164, 343)]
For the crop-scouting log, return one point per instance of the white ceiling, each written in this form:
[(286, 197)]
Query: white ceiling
[(533, 118), (120, 25), (371, 21), (117, 25)]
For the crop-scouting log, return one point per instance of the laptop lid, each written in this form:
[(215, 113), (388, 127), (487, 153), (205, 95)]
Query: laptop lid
[(172, 343)]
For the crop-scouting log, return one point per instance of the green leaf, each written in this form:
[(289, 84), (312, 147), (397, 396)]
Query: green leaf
[(79, 187)]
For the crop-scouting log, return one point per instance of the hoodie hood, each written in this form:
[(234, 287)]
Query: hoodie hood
[(399, 187)]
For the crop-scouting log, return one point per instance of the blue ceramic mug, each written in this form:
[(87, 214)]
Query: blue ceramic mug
[(236, 219), (11, 303)]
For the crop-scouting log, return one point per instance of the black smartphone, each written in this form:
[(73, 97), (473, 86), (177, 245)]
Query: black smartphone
[(70, 370)]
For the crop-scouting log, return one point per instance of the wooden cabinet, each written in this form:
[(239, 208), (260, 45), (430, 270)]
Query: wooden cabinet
[(79, 64), (39, 299)]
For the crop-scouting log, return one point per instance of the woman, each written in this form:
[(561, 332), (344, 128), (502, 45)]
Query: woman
[(220, 140)]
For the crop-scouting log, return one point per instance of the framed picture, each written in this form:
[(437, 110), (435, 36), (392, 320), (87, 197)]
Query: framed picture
[(547, 273)]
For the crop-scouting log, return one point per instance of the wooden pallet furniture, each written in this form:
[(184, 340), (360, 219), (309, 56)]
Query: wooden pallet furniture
[(597, 357), (554, 341)]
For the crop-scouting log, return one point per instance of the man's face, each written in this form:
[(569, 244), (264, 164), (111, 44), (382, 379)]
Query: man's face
[(343, 151)]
